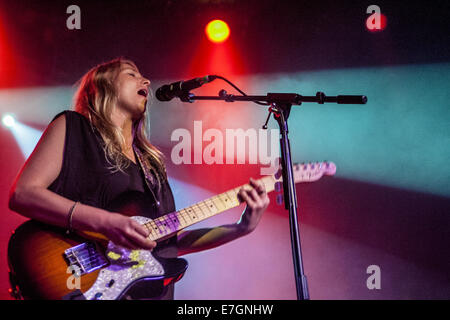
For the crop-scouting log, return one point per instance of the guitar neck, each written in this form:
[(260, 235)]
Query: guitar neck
[(166, 225)]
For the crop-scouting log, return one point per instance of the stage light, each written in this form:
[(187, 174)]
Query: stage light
[(8, 120), (217, 31)]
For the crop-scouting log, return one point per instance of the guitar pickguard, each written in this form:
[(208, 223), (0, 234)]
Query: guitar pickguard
[(125, 267)]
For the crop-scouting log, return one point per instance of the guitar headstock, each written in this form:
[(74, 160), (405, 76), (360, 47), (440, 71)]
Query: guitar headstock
[(308, 172)]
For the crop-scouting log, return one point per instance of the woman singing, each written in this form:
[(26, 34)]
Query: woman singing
[(94, 168)]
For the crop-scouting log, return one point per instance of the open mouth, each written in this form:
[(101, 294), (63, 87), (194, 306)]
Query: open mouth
[(143, 93)]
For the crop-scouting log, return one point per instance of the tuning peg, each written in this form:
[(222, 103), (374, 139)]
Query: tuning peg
[(279, 199), (278, 186)]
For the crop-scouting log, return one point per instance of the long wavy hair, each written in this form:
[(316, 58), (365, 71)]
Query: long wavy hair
[(96, 99)]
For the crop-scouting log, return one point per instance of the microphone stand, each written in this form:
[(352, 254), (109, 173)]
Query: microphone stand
[(280, 107)]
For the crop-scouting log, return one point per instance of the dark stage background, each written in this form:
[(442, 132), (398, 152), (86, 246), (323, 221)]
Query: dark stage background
[(388, 204)]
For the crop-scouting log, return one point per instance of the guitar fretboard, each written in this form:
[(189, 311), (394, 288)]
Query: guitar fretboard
[(171, 223)]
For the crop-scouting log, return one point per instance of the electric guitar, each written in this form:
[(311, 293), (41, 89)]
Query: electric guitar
[(46, 263)]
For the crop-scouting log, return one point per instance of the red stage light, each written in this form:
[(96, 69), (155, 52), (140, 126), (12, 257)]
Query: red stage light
[(217, 31)]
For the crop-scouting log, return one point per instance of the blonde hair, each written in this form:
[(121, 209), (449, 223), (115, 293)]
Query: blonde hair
[(96, 98)]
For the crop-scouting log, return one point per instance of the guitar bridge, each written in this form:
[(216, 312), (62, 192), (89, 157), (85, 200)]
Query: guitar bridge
[(85, 258)]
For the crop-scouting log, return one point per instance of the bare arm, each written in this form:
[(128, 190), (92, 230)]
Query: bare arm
[(190, 241), (30, 197)]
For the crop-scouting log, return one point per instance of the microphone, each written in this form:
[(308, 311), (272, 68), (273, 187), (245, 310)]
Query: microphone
[(180, 88)]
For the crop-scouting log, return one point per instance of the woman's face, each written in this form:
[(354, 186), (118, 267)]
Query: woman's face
[(132, 89)]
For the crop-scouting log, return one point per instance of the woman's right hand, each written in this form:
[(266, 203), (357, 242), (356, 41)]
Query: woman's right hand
[(126, 232)]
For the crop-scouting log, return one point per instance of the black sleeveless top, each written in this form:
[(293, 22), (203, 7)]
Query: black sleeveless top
[(85, 177)]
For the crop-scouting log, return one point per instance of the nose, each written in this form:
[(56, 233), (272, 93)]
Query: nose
[(145, 81)]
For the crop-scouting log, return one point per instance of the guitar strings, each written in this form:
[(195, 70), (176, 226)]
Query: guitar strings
[(161, 224)]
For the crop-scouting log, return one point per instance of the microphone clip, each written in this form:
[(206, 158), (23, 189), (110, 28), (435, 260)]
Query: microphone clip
[(186, 96), (227, 97)]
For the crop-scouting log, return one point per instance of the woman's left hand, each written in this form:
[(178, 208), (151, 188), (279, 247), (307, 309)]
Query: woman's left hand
[(257, 202)]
